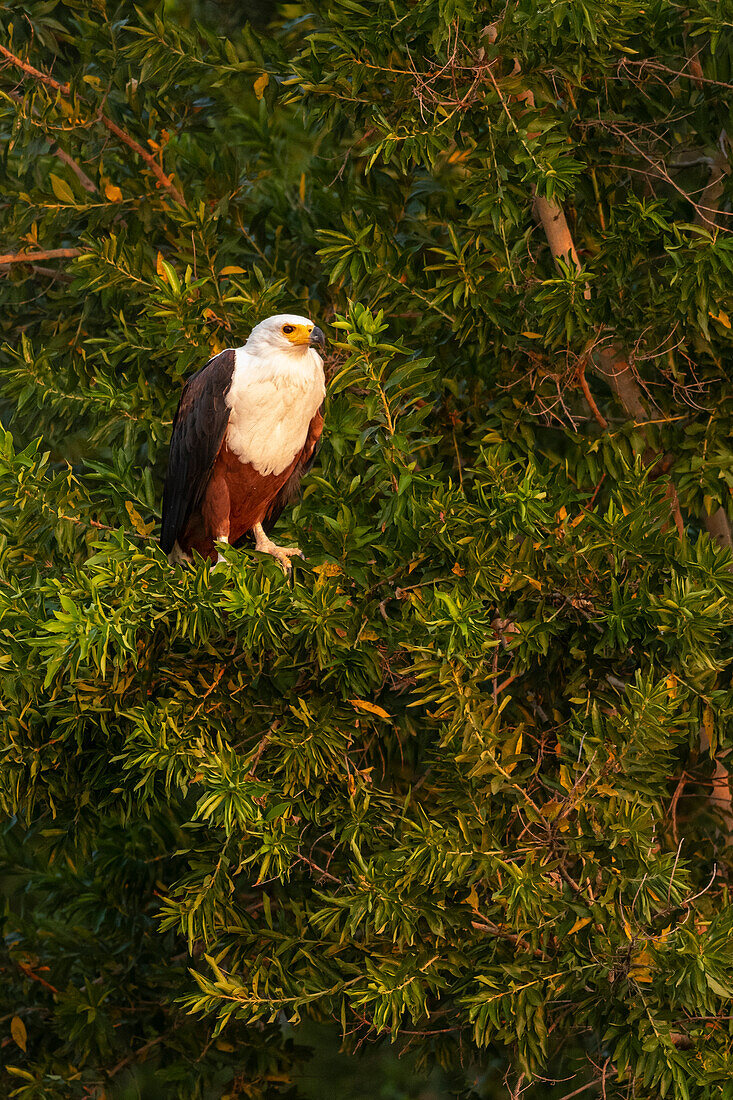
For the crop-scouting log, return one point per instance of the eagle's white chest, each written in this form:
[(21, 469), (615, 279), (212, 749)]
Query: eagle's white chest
[(273, 399)]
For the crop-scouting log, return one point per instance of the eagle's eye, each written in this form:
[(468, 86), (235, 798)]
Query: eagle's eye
[(287, 329)]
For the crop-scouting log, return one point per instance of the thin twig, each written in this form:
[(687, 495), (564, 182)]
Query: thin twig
[(321, 871), (68, 160), (602, 422)]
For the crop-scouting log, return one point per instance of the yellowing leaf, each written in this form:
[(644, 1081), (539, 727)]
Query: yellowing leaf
[(112, 192), (137, 520), (722, 318), (233, 270), (327, 569), (371, 708), (301, 189), (458, 570), (512, 748), (672, 686), (168, 274), (472, 898), (533, 335), (562, 515), (260, 84), (17, 1030), (581, 922), (61, 189)]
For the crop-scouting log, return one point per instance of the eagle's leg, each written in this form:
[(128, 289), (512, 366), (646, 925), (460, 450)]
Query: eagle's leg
[(178, 556), (282, 554), (219, 556)]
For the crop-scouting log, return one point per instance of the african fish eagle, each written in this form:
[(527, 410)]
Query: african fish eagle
[(246, 430)]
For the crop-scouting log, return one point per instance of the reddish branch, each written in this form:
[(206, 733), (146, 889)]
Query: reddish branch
[(164, 181), (602, 422), (65, 89), (33, 257), (63, 156), (558, 234)]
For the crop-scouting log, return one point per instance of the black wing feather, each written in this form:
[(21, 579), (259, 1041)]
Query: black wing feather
[(198, 431)]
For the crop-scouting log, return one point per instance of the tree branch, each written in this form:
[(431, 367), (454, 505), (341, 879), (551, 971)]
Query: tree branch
[(65, 89), (558, 233), (163, 180), (87, 183), (78, 171), (620, 377), (33, 257)]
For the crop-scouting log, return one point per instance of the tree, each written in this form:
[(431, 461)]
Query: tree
[(462, 782)]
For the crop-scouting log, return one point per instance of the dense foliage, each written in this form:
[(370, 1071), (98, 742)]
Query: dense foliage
[(461, 781)]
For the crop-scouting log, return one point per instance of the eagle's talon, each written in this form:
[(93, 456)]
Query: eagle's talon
[(283, 554)]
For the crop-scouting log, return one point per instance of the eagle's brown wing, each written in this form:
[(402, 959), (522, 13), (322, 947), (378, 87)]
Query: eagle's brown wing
[(198, 431)]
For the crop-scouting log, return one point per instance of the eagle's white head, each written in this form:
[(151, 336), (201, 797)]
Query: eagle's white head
[(285, 332)]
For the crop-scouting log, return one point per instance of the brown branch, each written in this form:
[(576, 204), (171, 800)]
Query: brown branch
[(620, 377), (583, 1088), (558, 233), (486, 925), (163, 180), (600, 418), (65, 89), (674, 503), (78, 171), (139, 1053), (87, 183), (320, 870), (32, 257)]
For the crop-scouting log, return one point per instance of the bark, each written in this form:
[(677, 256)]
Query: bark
[(620, 377), (717, 526), (32, 257)]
